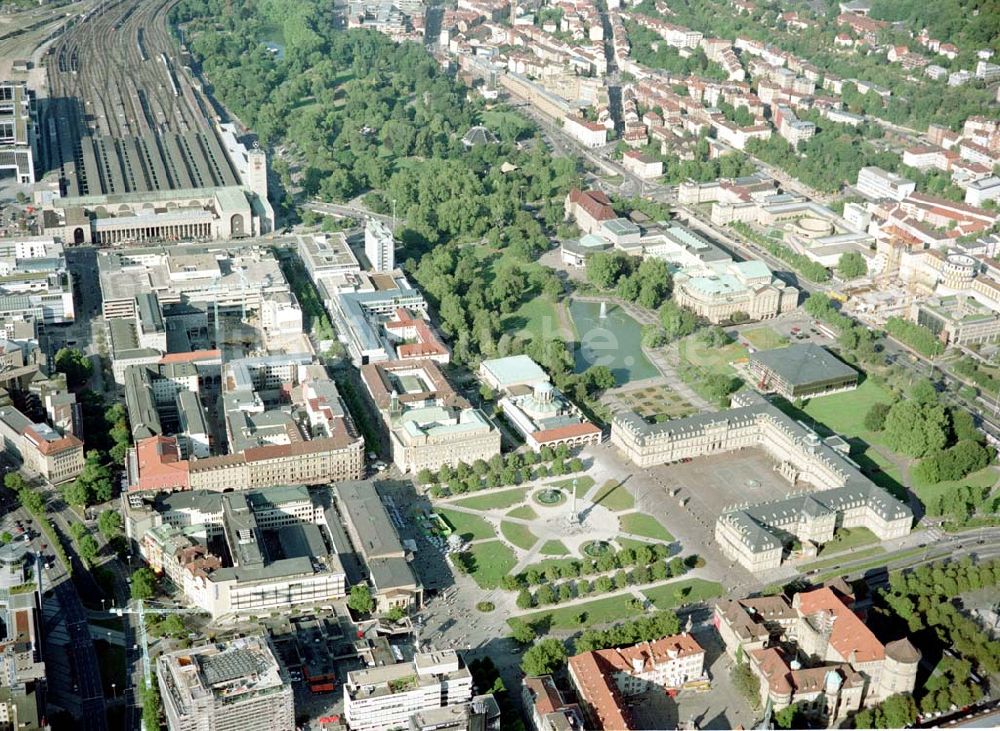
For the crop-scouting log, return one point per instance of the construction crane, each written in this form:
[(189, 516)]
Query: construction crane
[(141, 608)]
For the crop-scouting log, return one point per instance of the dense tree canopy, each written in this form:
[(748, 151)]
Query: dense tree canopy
[(916, 430), (75, 364), (851, 265), (144, 583), (544, 657)]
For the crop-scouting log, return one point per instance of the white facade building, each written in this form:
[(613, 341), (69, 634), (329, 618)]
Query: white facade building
[(877, 183), (385, 697), (380, 246)]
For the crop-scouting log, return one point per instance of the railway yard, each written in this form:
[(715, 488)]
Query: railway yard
[(123, 115)]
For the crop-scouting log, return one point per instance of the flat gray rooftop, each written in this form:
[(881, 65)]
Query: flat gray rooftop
[(804, 363)]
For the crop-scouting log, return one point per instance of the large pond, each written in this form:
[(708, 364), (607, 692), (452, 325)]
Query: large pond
[(614, 340)]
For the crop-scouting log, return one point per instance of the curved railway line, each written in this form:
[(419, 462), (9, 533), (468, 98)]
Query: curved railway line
[(122, 115)]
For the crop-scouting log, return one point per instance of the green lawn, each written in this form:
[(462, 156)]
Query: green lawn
[(583, 483), (845, 538), (524, 512), (711, 360), (984, 478), (493, 500), (693, 590), (644, 525), (554, 548), (470, 527), (492, 561), (599, 611), (614, 496), (517, 534), (838, 560), (631, 542), (536, 317), (844, 413), (764, 338), (495, 118)]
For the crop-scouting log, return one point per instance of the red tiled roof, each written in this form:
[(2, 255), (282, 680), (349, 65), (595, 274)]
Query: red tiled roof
[(594, 202), (566, 432), (594, 671), (850, 637), (774, 669), (191, 357), (55, 446), (599, 693), (160, 465), (544, 692)]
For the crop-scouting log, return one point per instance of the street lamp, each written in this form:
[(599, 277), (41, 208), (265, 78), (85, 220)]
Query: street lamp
[(114, 690)]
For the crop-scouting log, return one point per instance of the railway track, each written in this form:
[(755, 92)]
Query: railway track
[(113, 73)]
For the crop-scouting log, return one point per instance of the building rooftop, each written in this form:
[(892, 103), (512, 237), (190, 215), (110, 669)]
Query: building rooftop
[(514, 369), (803, 363), (363, 508), (849, 635)]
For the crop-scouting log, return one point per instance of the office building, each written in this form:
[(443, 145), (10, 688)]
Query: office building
[(959, 319), (284, 423), (243, 280), (371, 536), (800, 371), (327, 255), (232, 686), (428, 423), (816, 652), (39, 448), (34, 280), (876, 183), (755, 535), (18, 143), (373, 313), (241, 554), (604, 680), (387, 697), (538, 410), (380, 246)]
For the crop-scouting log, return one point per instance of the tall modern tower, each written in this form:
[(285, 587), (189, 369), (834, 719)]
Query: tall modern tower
[(380, 246)]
